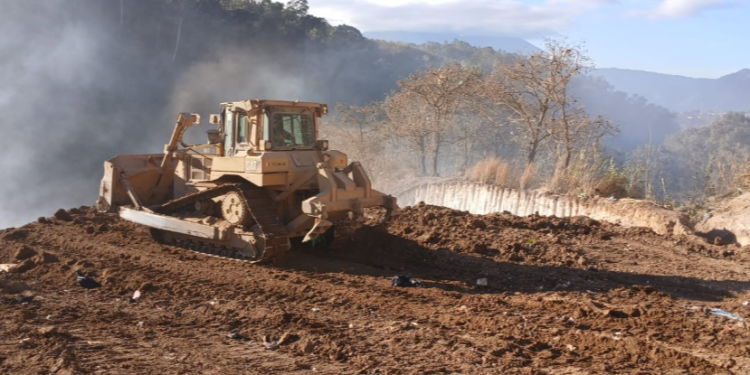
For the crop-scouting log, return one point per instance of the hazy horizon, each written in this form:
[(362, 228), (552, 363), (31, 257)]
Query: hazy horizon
[(691, 38)]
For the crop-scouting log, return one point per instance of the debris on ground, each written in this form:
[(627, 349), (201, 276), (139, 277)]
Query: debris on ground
[(725, 314), (86, 281), (269, 344), (405, 281), (135, 297)]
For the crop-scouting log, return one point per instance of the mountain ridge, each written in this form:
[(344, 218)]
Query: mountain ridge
[(506, 44), (727, 93)]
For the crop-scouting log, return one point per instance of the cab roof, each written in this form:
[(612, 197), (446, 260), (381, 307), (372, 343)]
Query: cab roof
[(256, 104)]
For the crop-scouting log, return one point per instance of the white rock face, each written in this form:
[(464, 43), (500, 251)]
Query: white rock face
[(484, 199)]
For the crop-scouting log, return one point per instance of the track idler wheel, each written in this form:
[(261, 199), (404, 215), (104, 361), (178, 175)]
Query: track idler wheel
[(234, 210)]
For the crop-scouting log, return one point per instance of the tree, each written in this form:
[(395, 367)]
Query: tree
[(535, 92), (426, 106)]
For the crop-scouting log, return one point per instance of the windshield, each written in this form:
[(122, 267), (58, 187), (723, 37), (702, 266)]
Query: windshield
[(292, 130)]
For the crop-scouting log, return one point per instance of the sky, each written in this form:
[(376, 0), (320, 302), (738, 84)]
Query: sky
[(694, 38)]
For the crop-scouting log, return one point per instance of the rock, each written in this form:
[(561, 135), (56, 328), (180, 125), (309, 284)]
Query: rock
[(103, 228), (286, 338), (582, 261), (42, 220), (336, 354), (307, 346), (476, 224), (15, 234), (425, 238), (48, 331), (63, 215), (718, 241), (635, 312), (90, 229), (25, 266), (24, 252), (46, 257), (478, 248), (15, 287), (25, 315)]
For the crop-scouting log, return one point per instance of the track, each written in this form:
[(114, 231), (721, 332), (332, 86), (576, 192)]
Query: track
[(268, 237)]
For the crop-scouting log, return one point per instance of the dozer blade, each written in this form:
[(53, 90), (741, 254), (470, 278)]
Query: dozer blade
[(171, 224)]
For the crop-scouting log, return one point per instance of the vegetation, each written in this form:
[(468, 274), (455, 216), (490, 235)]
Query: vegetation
[(698, 163), (521, 110)]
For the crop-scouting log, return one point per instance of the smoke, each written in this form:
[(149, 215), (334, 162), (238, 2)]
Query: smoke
[(66, 104), (82, 81)]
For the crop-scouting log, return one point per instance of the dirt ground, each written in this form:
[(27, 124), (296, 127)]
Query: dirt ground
[(563, 296)]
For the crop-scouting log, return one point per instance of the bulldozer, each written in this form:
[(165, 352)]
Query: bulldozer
[(261, 180)]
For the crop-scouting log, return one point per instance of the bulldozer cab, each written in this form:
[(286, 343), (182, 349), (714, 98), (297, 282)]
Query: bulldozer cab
[(261, 125)]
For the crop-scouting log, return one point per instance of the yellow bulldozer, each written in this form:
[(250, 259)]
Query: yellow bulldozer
[(262, 178)]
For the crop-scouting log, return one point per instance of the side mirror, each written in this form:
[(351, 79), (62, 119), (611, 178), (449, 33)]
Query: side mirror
[(214, 136), (267, 145), (321, 145), (214, 119)]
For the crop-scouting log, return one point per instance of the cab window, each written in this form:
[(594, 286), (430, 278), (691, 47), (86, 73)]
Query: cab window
[(242, 129), (292, 130), (229, 133)]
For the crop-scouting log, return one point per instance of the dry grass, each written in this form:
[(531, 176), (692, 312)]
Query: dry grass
[(529, 176), (592, 174), (493, 171)]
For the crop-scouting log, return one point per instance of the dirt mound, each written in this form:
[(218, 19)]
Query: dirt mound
[(562, 296), (729, 222)]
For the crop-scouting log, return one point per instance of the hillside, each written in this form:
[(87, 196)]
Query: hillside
[(678, 93), (506, 44)]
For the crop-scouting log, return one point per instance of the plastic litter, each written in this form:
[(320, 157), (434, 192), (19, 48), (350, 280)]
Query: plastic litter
[(316, 309), (235, 335), (725, 314), (482, 281), (405, 281), (269, 344), (8, 267), (745, 303), (135, 296)]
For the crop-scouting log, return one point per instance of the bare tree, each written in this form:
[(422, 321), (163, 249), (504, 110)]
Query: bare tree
[(573, 128), (359, 130), (361, 133), (534, 91), (426, 106)]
